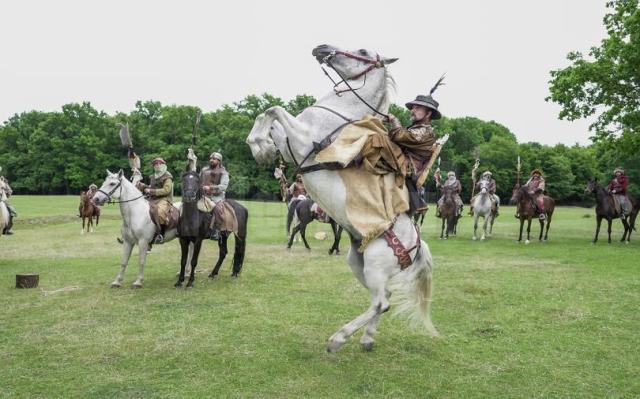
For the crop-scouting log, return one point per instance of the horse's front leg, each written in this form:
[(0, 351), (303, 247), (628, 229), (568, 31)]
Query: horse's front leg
[(442, 230), (484, 227), (609, 221), (303, 234), (546, 231), (127, 247), (626, 230), (194, 261), (142, 258), (528, 231), (293, 129), (475, 226), (541, 229), (184, 254), (598, 223)]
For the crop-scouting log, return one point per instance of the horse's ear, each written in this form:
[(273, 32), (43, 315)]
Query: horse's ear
[(595, 179), (120, 173), (388, 61)]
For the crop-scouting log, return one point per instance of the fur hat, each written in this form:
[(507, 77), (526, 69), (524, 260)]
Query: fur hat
[(216, 155), (618, 170), (487, 173), (536, 171), (93, 186), (158, 160), (451, 173)]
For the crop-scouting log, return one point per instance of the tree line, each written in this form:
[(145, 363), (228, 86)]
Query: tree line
[(63, 152)]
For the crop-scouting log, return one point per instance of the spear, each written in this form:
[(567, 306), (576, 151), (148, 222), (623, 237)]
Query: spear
[(518, 180), (436, 148), (194, 134), (473, 176)]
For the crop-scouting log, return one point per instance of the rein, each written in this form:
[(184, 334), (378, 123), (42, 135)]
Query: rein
[(317, 147), (119, 185), (375, 63)]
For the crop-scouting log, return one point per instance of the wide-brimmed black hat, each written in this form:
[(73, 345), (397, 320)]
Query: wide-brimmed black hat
[(428, 102)]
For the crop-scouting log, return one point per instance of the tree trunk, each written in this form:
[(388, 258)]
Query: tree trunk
[(27, 280)]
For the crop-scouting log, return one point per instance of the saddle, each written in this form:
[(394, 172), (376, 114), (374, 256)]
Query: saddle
[(319, 213), (224, 217), (164, 213)]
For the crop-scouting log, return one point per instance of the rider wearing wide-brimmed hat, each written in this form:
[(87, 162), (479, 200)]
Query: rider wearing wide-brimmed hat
[(535, 187), (618, 188), (417, 141), (214, 180), (452, 182), (487, 178), (160, 195)]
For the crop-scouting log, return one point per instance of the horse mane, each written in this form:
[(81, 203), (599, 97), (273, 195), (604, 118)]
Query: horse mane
[(390, 90)]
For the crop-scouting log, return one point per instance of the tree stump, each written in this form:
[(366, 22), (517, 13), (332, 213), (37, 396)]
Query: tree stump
[(27, 280)]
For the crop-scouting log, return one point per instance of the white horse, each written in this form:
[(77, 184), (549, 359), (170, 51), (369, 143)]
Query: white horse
[(4, 210), (377, 268), (137, 226), (482, 206)]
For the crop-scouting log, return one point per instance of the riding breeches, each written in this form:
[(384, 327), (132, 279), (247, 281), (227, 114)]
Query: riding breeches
[(625, 204)]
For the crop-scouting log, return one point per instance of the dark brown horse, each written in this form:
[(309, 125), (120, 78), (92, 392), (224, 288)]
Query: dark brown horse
[(448, 212), (527, 210), (302, 210), (88, 210), (606, 209)]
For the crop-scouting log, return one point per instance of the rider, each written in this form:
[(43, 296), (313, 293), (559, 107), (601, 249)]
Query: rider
[(90, 193), (416, 142), (297, 188), (491, 188), (535, 187), (618, 187), (453, 182), (214, 180), (160, 194), (12, 213)]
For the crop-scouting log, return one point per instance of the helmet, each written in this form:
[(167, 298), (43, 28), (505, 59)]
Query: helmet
[(216, 155), (452, 173), (158, 160)]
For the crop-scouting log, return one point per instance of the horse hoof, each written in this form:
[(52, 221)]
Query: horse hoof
[(212, 276), (474, 238), (367, 346), (137, 286), (82, 232), (626, 242), (527, 242), (178, 285), (482, 238), (116, 285), (189, 287)]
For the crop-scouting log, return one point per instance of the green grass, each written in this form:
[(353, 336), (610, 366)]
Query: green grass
[(556, 319)]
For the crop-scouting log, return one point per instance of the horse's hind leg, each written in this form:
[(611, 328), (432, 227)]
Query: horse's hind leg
[(626, 230), (475, 226), (541, 229), (546, 231), (222, 253), (484, 227), (127, 247), (609, 228), (598, 223), (303, 232), (376, 281), (82, 231)]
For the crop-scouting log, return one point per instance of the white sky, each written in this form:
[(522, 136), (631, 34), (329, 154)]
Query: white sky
[(497, 53)]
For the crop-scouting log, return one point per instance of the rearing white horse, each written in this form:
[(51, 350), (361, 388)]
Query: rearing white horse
[(137, 226), (377, 268)]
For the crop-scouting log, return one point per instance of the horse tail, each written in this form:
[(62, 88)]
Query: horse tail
[(242, 215), (412, 290)]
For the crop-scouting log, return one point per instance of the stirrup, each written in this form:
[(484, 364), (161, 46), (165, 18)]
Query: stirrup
[(159, 239), (215, 235), (542, 216)]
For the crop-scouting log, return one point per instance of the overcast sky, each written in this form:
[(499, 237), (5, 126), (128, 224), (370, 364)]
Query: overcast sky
[(497, 53)]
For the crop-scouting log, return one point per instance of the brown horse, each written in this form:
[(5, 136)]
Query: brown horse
[(606, 209), (87, 212), (448, 212), (527, 209)]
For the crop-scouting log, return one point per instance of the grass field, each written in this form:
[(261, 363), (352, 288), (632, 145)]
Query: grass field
[(556, 319)]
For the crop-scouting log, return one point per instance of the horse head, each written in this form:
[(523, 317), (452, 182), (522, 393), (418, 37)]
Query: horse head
[(592, 185), (484, 187), (109, 188), (516, 194), (350, 65), (190, 187)]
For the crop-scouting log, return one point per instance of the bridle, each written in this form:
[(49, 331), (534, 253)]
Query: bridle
[(374, 63), (118, 186)]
